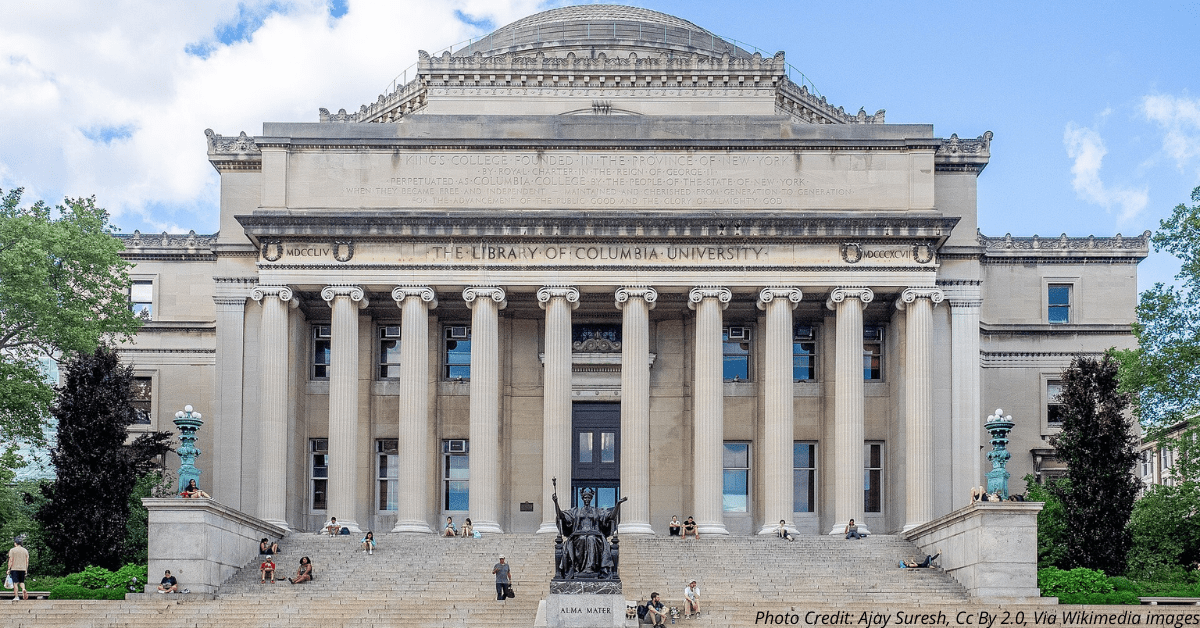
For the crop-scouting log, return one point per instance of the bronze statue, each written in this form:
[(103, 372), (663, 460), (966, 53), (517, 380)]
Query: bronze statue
[(586, 552)]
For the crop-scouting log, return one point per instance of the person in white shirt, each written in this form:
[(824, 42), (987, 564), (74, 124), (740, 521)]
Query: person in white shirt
[(691, 600), (332, 527)]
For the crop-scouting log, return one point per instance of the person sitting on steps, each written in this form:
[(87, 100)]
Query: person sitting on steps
[(468, 529), (852, 531), (926, 564), (449, 529), (654, 611), (266, 570), (368, 542), (332, 527), (689, 527), (675, 526), (304, 573), (783, 533)]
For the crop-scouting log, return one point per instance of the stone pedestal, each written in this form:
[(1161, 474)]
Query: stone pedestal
[(583, 610)]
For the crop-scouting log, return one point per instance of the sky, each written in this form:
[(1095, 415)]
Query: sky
[(1095, 106)]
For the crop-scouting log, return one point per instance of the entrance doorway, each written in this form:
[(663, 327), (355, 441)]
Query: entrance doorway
[(596, 452)]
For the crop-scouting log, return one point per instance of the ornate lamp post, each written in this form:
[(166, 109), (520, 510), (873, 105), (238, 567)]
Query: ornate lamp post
[(188, 422), (999, 426)]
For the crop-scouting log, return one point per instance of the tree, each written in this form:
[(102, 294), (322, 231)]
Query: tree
[(1163, 373), (62, 290), (1052, 529), (1100, 449), (85, 517)]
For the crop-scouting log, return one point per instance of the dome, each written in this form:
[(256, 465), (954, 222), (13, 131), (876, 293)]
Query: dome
[(601, 25)]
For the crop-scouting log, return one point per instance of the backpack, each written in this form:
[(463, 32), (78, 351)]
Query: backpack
[(642, 610)]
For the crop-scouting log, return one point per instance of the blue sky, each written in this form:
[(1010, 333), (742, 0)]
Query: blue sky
[(1095, 107)]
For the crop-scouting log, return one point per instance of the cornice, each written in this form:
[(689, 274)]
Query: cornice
[(1118, 248), (1046, 329), (233, 153), (167, 246)]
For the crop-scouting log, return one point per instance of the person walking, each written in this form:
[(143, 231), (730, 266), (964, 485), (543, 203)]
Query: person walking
[(503, 578), (18, 565)]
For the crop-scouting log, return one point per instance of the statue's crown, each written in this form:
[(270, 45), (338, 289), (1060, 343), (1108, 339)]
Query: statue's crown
[(587, 492)]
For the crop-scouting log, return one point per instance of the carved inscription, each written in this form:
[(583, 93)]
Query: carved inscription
[(594, 253), (661, 180)]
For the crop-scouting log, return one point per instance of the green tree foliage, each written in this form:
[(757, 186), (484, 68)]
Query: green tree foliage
[(137, 528), (1163, 373), (1100, 449), (1051, 523), (85, 517), (62, 289), (1165, 534)]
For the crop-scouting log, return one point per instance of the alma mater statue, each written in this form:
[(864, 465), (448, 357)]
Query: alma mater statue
[(586, 553)]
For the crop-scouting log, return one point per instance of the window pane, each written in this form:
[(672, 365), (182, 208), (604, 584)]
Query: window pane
[(458, 467), (458, 357), (585, 446), (804, 362), (736, 367), (803, 490), (1059, 314), (141, 398), (1059, 295), (802, 455), (319, 494), (873, 456), (606, 497), (389, 351), (871, 490), (734, 497), (608, 447), (141, 292), (457, 496), (736, 456)]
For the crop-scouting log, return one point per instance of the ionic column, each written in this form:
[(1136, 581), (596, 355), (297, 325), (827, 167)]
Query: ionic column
[(778, 431), (635, 304), (273, 399), (485, 302), (966, 436), (558, 301), (848, 406), (345, 301), (918, 403), (412, 513), (708, 414)]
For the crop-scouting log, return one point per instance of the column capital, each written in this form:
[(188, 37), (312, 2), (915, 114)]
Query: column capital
[(624, 294), (934, 294), (284, 293), (854, 292), (425, 293), (698, 294), (767, 295), (355, 293), (495, 293), (570, 293)]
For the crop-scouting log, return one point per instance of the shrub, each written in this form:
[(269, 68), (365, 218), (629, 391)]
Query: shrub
[(1055, 582), (129, 578), (94, 578), (74, 592)]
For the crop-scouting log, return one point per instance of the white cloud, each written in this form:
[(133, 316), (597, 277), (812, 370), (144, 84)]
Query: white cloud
[(105, 99), (1086, 147), (1179, 118)]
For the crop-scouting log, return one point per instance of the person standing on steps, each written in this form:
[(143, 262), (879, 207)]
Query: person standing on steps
[(503, 578), (18, 564)]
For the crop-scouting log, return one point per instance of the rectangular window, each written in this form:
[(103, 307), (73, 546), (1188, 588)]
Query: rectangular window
[(319, 450), (873, 477), (456, 473), (1054, 406), (389, 352), (1058, 302), (735, 496), (141, 397), (1147, 465), (141, 299), (872, 353), (804, 477), (458, 352), (388, 471), (320, 352), (804, 354), (735, 350)]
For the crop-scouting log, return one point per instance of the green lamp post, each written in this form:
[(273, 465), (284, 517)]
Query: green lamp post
[(188, 422), (999, 426)]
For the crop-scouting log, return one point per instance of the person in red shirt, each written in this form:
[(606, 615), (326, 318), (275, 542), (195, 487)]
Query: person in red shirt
[(267, 570)]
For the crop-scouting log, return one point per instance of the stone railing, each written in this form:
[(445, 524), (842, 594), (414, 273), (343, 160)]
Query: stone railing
[(179, 242), (989, 547), (201, 541), (797, 102), (1117, 243)]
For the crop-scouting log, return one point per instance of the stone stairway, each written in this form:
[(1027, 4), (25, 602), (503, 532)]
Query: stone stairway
[(430, 581)]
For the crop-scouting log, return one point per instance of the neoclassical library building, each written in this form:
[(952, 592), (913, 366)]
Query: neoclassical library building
[(604, 248)]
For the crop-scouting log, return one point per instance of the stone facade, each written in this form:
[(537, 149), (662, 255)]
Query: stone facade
[(585, 247)]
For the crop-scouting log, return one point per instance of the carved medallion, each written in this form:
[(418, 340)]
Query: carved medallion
[(851, 252)]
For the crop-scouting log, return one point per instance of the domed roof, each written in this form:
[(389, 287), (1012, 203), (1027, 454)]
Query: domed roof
[(601, 24)]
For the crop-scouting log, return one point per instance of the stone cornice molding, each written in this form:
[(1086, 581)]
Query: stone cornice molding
[(233, 153), (228, 303), (624, 294), (545, 293), (1063, 245), (354, 293), (767, 295), (284, 293), (425, 293), (854, 292), (963, 155), (495, 293), (910, 295), (698, 294)]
